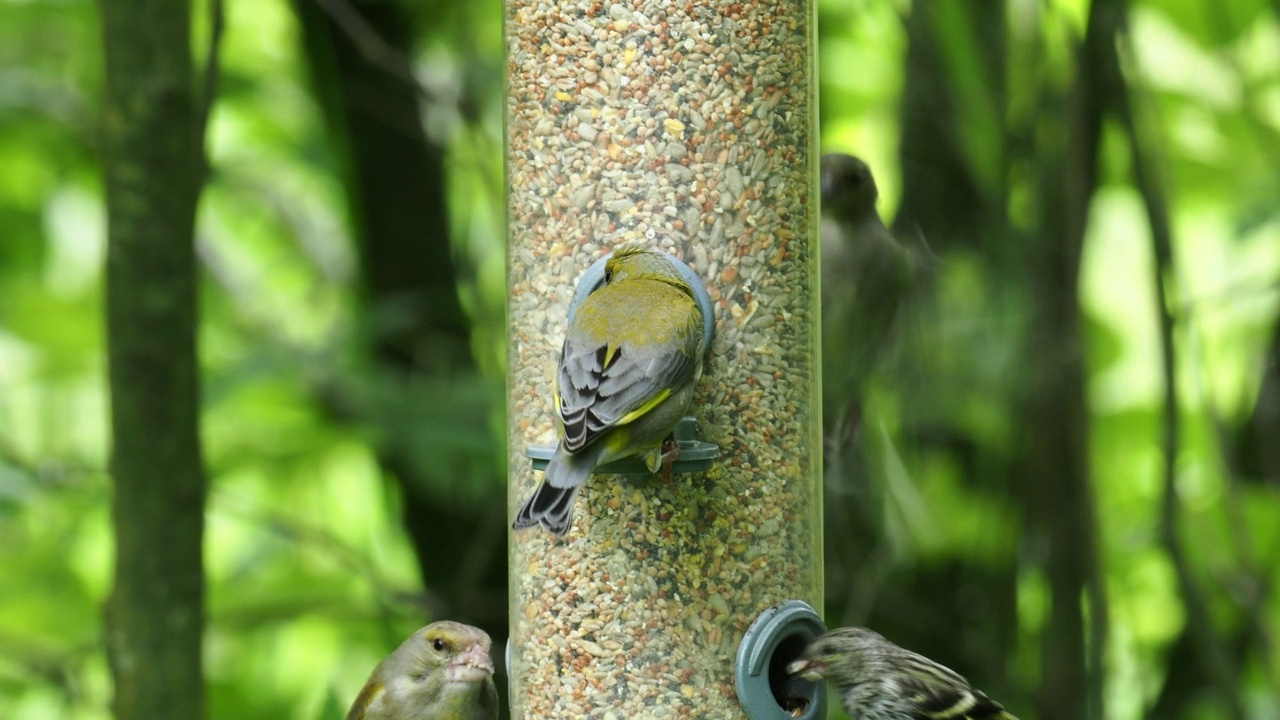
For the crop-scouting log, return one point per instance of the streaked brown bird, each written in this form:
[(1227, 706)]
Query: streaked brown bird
[(878, 680), (441, 672)]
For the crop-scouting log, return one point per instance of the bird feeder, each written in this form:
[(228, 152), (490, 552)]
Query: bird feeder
[(689, 126)]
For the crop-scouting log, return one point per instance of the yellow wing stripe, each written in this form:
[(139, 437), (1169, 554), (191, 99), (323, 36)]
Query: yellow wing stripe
[(958, 710), (651, 404), (368, 694), (610, 354)]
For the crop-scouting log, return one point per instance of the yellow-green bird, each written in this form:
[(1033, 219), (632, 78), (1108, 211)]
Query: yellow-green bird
[(878, 680), (441, 672), (631, 357)]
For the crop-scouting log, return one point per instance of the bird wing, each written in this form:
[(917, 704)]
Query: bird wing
[(938, 693), (368, 694), (605, 382)]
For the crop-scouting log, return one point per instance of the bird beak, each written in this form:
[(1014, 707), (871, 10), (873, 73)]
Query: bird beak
[(473, 665), (807, 669)]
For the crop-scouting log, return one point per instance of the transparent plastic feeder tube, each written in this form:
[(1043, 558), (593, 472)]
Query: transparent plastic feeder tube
[(690, 126)]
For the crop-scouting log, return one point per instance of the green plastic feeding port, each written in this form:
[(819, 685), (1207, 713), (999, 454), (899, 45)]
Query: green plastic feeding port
[(773, 641)]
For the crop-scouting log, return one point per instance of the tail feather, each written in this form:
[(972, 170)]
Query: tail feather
[(551, 505)]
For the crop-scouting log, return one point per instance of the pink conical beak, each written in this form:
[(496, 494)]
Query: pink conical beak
[(472, 665)]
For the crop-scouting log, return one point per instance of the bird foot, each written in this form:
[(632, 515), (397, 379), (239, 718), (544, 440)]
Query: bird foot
[(670, 451)]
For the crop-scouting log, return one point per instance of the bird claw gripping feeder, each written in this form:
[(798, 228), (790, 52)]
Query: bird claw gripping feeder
[(686, 126)]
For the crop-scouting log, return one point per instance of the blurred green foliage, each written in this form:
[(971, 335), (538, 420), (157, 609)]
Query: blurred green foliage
[(311, 577)]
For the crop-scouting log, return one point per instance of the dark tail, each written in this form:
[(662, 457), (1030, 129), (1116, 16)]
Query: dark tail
[(549, 506)]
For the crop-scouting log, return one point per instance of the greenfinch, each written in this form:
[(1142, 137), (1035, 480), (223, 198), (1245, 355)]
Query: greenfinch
[(441, 672), (865, 280), (631, 357), (878, 680), (867, 277)]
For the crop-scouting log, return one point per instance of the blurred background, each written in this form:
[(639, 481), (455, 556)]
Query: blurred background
[(1059, 466)]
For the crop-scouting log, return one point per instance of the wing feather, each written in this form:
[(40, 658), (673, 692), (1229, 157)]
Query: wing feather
[(939, 693), (368, 694)]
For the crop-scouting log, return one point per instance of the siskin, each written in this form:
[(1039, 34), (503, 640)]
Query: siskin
[(441, 672), (878, 680), (631, 357)]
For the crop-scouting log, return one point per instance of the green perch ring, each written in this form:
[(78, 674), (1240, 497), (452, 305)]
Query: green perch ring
[(695, 455), (774, 640)]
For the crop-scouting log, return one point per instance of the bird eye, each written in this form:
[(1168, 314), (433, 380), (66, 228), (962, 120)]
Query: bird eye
[(608, 273), (438, 644)]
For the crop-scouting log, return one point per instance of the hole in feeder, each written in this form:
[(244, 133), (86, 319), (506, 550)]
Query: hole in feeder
[(794, 695), (776, 639)]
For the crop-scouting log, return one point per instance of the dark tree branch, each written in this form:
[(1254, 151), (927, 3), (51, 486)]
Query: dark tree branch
[(397, 63), (1254, 588), (1210, 651), (1062, 502), (942, 194), (1106, 18), (155, 615), (1211, 648), (212, 66), (373, 48)]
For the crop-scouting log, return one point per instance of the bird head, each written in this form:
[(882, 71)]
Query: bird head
[(635, 260), (463, 650), (848, 188), (440, 661), (841, 656)]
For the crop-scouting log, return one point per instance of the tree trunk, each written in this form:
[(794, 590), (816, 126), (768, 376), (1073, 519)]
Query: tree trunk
[(1060, 492), (153, 166)]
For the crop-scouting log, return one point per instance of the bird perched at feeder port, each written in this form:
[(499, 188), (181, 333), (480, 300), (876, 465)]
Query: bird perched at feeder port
[(877, 680), (631, 357), (441, 672)]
